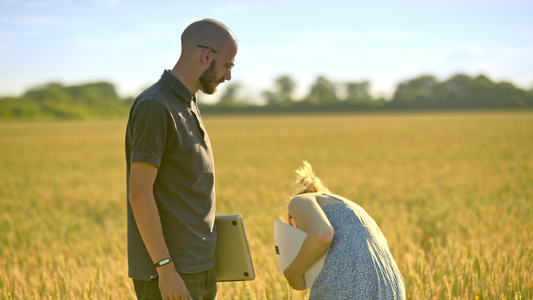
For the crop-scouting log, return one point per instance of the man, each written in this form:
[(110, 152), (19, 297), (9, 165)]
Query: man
[(170, 172)]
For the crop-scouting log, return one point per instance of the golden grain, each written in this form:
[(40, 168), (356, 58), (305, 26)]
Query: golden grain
[(452, 193)]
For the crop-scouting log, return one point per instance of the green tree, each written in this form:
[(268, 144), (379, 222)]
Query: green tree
[(322, 91), (285, 88), (463, 91), (358, 91), (270, 97), (282, 93), (56, 101), (358, 96), (417, 92), (229, 97), (505, 94)]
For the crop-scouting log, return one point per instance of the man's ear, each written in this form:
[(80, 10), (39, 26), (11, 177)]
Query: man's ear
[(204, 56), (293, 223)]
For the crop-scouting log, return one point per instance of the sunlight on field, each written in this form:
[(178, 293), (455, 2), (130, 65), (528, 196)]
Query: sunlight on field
[(451, 192)]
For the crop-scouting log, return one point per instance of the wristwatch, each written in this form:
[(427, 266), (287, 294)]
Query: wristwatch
[(162, 262)]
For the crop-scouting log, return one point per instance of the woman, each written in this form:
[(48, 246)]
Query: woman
[(358, 264)]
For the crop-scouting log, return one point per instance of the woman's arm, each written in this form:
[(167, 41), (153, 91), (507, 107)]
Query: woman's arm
[(308, 216)]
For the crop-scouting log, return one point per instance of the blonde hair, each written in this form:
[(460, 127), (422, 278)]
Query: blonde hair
[(308, 181)]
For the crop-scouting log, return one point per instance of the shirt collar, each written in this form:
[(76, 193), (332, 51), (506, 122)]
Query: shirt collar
[(179, 88)]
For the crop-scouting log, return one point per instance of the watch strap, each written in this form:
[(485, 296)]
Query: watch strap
[(163, 262)]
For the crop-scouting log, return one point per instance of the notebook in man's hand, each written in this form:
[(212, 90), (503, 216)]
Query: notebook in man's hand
[(233, 257)]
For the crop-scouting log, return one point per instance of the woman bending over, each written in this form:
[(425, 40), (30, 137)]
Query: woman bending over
[(358, 264)]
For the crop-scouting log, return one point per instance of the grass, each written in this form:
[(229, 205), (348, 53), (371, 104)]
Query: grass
[(452, 193)]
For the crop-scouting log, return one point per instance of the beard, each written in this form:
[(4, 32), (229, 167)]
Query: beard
[(208, 79)]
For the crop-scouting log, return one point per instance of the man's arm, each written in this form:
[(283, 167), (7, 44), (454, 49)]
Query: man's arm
[(142, 201)]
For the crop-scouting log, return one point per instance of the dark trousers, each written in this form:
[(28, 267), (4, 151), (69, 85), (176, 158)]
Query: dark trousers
[(201, 286)]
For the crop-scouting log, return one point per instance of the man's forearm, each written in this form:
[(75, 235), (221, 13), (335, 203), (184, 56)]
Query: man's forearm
[(149, 224)]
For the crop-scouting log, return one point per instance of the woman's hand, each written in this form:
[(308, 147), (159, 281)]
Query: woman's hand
[(296, 281)]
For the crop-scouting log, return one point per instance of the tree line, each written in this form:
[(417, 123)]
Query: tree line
[(460, 91), (55, 101), (99, 100)]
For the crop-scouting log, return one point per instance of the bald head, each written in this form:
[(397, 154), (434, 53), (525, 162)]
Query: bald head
[(207, 32), (208, 50)]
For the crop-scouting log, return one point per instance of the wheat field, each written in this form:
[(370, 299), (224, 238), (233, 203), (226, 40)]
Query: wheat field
[(452, 192)]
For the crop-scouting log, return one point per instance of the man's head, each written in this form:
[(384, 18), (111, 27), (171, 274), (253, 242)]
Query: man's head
[(208, 50)]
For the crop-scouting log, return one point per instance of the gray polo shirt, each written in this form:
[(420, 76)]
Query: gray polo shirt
[(165, 129)]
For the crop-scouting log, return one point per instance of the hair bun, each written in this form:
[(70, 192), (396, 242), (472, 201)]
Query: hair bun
[(308, 181)]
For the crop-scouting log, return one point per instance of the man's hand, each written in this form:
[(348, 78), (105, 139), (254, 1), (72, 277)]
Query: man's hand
[(171, 285)]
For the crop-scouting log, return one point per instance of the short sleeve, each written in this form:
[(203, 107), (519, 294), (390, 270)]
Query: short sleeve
[(148, 132)]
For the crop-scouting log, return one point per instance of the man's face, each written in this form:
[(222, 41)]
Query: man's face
[(209, 80)]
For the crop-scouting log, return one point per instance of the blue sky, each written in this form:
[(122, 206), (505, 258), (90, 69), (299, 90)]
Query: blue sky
[(130, 43)]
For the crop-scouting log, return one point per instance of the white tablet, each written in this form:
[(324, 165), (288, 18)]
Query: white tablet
[(288, 241), (233, 257)]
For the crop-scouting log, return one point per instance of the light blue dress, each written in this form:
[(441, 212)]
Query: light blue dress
[(359, 264)]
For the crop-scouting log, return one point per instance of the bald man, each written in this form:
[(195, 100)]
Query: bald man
[(171, 173)]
